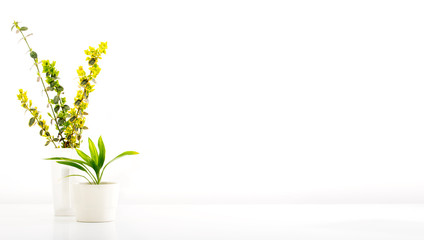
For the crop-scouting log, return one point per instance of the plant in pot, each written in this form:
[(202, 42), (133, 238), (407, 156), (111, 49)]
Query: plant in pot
[(95, 201), (68, 122)]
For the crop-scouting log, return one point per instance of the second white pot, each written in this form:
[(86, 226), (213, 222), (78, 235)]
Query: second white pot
[(96, 203), (62, 185)]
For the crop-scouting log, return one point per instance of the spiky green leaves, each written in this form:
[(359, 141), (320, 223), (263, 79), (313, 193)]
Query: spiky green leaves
[(127, 153), (93, 151), (102, 152), (72, 164), (81, 165), (95, 161)]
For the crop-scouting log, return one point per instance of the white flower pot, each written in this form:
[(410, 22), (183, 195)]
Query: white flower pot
[(96, 203), (62, 185)]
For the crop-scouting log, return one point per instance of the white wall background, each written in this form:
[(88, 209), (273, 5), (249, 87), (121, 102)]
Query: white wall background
[(229, 101)]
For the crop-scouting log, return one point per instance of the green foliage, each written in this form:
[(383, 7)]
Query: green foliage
[(92, 165), (69, 122), (59, 102), (36, 116)]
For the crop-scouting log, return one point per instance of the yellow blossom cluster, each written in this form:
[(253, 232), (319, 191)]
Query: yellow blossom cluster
[(86, 85), (36, 116)]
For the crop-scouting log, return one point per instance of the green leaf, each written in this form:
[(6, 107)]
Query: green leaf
[(72, 164), (49, 115), (56, 99), (31, 121), (125, 154), (67, 159), (47, 143), (41, 132), (72, 119), (92, 61), (61, 121), (66, 108), (102, 152), (12, 27), (56, 109), (88, 162), (59, 88), (24, 29), (117, 157), (93, 151), (78, 102), (33, 54), (85, 157), (84, 82)]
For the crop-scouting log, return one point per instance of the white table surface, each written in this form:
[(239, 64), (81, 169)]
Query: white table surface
[(185, 222)]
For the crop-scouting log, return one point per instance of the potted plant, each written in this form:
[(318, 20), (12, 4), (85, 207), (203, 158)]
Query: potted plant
[(68, 120), (95, 200)]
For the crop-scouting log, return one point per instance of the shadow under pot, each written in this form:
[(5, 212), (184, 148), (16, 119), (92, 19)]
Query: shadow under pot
[(96, 203)]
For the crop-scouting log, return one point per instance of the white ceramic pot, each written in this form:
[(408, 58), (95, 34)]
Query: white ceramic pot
[(62, 185), (96, 203)]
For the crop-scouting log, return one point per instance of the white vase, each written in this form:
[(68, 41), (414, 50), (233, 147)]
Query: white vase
[(62, 185), (96, 203)]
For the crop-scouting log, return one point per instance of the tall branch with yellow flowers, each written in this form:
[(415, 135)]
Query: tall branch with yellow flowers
[(34, 56), (86, 85), (69, 122)]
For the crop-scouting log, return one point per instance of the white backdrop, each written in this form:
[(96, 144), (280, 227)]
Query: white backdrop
[(229, 101)]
